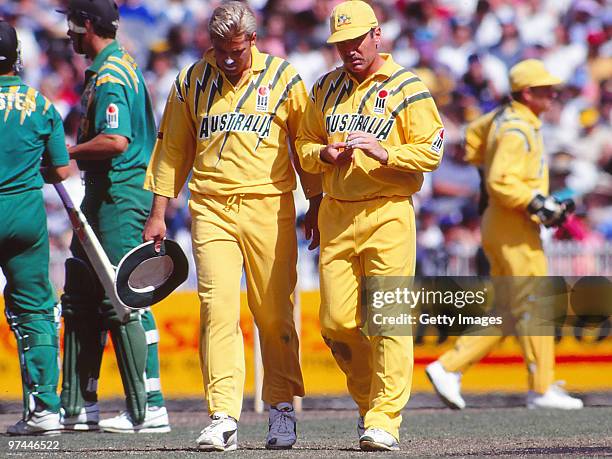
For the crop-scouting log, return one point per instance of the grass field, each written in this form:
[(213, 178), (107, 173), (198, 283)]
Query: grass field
[(331, 433)]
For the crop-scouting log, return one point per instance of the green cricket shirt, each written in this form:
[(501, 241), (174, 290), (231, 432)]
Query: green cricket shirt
[(30, 129), (116, 101)]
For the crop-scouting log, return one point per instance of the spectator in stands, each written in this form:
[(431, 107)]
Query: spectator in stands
[(510, 49)]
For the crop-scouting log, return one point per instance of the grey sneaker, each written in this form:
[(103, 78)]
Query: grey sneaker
[(282, 432)]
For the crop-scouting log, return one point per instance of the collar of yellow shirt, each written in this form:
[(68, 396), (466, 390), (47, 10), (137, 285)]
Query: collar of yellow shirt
[(386, 70), (526, 113)]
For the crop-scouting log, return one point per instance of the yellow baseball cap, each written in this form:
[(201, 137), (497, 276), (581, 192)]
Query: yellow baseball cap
[(529, 74), (350, 20)]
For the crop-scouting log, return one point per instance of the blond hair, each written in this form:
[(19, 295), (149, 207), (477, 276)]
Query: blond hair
[(232, 19)]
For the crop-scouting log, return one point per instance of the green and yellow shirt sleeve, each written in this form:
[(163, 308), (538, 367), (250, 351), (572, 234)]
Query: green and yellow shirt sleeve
[(116, 101), (112, 110)]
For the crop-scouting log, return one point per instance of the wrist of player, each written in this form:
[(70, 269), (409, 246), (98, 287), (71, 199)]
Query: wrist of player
[(383, 157), (379, 154), (374, 151), (324, 155)]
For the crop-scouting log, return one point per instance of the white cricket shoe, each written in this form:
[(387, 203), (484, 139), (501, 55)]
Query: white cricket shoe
[(156, 421), (555, 397), (360, 426), (282, 432), (38, 423), (87, 419), (220, 435), (446, 384), (374, 439)]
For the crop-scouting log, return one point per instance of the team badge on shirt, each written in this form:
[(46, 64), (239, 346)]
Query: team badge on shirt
[(112, 116), (381, 101), (263, 96), (438, 142)]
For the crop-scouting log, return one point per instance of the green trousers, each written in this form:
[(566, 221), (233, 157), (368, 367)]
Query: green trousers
[(29, 297)]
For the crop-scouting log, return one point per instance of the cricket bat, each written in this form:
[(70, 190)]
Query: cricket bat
[(96, 254)]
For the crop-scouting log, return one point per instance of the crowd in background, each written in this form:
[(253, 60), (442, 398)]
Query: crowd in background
[(461, 49)]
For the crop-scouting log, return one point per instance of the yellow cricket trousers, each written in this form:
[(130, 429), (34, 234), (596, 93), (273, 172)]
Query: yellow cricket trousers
[(366, 238), (256, 232), (511, 241)]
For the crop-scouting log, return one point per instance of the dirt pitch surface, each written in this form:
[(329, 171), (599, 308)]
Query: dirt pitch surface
[(495, 426)]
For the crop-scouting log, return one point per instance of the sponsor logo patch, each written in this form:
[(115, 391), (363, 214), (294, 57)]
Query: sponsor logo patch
[(381, 101), (112, 116), (438, 142), (263, 96)]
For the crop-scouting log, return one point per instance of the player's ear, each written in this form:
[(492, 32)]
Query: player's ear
[(253, 38), (89, 26), (526, 94)]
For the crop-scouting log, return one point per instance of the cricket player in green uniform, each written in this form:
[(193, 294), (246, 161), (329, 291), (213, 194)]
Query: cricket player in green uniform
[(116, 136), (30, 128)]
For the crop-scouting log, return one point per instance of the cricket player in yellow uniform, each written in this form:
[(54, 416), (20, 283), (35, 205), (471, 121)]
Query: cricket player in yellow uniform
[(229, 121), (507, 144), (372, 129)]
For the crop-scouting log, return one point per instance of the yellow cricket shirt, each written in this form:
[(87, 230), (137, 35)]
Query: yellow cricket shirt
[(233, 139), (396, 107), (515, 167)]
